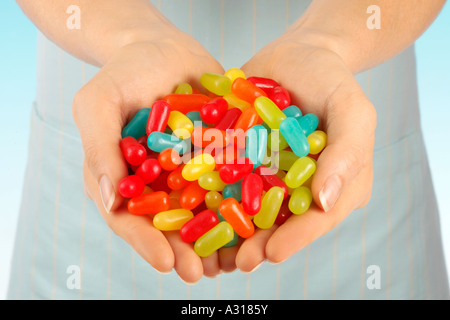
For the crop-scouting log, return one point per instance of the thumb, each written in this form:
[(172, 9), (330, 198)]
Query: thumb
[(99, 121), (350, 125)]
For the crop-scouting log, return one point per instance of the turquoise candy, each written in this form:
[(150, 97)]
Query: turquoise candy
[(233, 190), (137, 127), (256, 144), (194, 116), (292, 111), (159, 141), (295, 137), (309, 123)]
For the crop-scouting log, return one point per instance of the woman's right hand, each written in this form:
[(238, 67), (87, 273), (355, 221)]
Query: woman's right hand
[(134, 77)]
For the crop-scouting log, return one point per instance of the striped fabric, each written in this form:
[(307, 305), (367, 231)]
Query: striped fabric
[(395, 238)]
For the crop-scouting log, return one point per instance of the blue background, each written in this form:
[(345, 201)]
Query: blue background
[(17, 91)]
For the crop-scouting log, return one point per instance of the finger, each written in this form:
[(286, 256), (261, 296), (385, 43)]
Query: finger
[(350, 122), (300, 230), (211, 266), (227, 258), (188, 264), (252, 252), (138, 231), (99, 121)]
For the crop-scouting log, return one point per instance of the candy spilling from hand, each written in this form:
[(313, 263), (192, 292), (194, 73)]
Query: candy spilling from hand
[(220, 165)]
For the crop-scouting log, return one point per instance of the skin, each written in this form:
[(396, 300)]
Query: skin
[(315, 60)]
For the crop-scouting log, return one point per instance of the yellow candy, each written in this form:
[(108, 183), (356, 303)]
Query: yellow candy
[(317, 141), (286, 159), (270, 206), (216, 83), (184, 88), (211, 181), (213, 200), (180, 124), (235, 102), (172, 219), (214, 239), (276, 141), (300, 200), (234, 73), (197, 166), (302, 169), (269, 112)]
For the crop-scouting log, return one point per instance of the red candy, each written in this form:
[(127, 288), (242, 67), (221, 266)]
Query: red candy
[(281, 97), (131, 186), (235, 171), (149, 170), (252, 188), (149, 203), (200, 224), (133, 151), (271, 180), (265, 84), (229, 120), (214, 110), (159, 115)]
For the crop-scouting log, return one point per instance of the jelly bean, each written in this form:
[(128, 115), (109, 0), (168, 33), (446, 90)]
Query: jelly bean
[(229, 120), (158, 117), (252, 189), (302, 169), (216, 83), (169, 159), (235, 215), (149, 170), (234, 73), (248, 119), (196, 119), (269, 112), (184, 88), (284, 213), (133, 152), (203, 137), (276, 141), (235, 102), (197, 166), (214, 239), (160, 183), (214, 110), (227, 155), (256, 144), (317, 141), (175, 180), (265, 84), (293, 133), (233, 190), (143, 141), (181, 125), (246, 90), (147, 189), (281, 97), (186, 102), (271, 180), (293, 112), (270, 206), (211, 181), (285, 159), (235, 239), (174, 197), (300, 200), (171, 220), (131, 186), (149, 203), (233, 172), (159, 141), (136, 128), (213, 200), (198, 226), (309, 123), (192, 196)]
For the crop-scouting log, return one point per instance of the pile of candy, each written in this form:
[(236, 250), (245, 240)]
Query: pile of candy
[(218, 166)]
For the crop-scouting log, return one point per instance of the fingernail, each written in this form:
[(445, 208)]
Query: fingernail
[(330, 192), (107, 193)]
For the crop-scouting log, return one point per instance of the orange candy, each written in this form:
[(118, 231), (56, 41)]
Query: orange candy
[(235, 215), (192, 196), (149, 203), (169, 159), (245, 90)]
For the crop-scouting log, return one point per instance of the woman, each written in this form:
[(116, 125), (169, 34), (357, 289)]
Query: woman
[(349, 62)]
